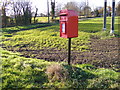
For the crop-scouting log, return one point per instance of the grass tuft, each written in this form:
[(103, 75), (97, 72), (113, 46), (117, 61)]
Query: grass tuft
[(56, 72)]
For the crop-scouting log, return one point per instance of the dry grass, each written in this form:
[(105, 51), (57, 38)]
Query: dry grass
[(56, 72)]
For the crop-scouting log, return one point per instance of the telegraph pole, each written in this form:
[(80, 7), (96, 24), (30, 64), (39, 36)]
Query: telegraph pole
[(48, 11), (87, 9), (105, 9), (113, 17)]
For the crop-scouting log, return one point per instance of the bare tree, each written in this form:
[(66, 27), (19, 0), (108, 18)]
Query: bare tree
[(4, 12), (52, 9), (118, 8), (17, 12), (81, 5), (72, 6), (82, 8), (58, 8), (87, 11), (22, 12), (4, 17), (35, 14)]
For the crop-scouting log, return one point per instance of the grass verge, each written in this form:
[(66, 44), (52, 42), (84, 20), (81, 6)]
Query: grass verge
[(20, 72)]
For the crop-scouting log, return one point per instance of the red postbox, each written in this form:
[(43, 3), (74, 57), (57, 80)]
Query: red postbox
[(68, 24)]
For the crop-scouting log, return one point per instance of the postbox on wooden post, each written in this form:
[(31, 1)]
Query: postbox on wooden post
[(68, 27)]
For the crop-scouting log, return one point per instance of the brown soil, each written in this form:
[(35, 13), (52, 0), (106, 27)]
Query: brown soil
[(103, 53)]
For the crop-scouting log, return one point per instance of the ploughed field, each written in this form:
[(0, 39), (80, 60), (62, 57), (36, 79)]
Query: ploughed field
[(42, 41)]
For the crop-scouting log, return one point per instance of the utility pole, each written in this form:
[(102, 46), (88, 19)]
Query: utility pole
[(105, 9), (87, 8), (113, 17), (48, 11)]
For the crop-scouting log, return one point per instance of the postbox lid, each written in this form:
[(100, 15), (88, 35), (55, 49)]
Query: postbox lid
[(67, 12)]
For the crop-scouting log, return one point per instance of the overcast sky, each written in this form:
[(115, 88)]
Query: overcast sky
[(42, 4)]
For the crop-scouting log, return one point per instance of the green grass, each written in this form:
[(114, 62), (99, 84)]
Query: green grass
[(41, 19), (48, 37), (20, 28), (20, 72), (44, 19), (96, 25)]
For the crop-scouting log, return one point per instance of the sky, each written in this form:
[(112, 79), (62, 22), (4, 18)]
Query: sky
[(42, 4)]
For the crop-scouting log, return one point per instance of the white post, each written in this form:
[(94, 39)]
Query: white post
[(105, 6), (113, 17)]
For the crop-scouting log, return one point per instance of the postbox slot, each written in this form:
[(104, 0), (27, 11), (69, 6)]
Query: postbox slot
[(63, 14)]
